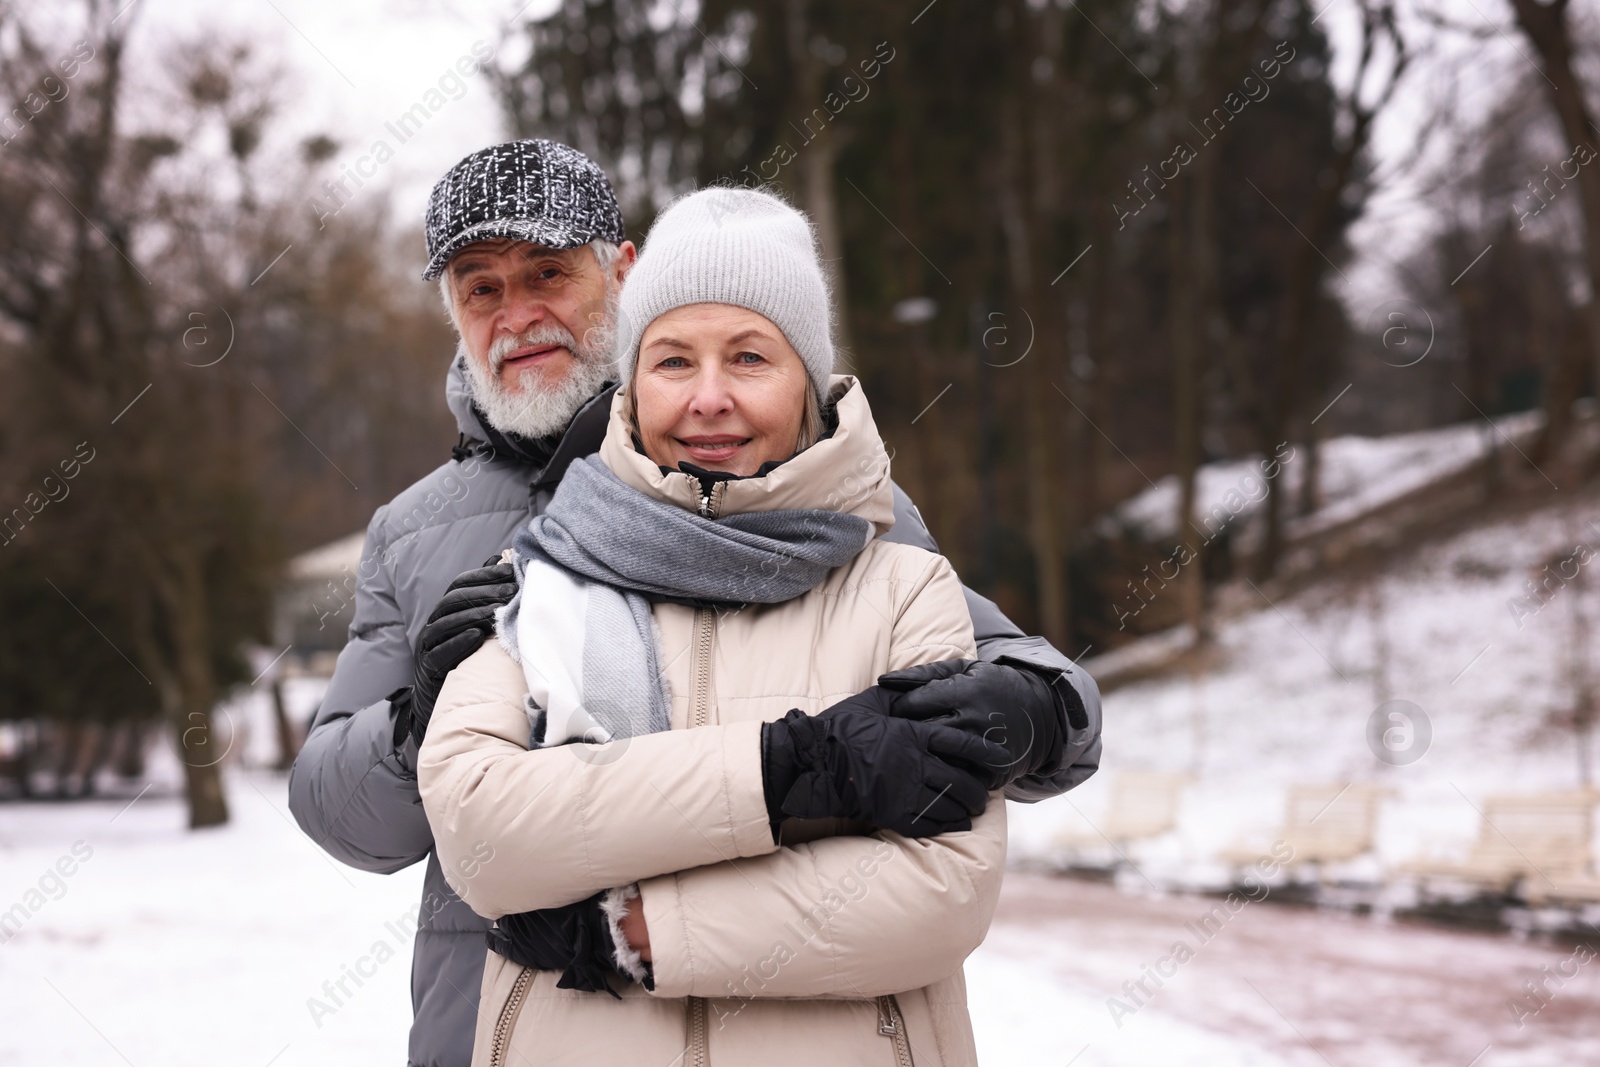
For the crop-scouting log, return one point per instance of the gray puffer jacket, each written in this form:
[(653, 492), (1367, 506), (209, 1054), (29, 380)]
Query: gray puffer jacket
[(356, 796)]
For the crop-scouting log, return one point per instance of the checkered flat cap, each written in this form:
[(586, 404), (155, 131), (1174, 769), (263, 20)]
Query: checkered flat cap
[(535, 190)]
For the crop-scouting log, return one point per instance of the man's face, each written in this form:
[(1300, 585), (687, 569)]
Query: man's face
[(536, 327)]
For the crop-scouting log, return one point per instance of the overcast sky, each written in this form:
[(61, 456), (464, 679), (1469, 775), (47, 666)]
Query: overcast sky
[(353, 65)]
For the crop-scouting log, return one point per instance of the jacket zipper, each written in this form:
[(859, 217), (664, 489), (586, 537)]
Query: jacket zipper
[(508, 1017), (704, 631), (704, 635), (892, 1024), (698, 1052)]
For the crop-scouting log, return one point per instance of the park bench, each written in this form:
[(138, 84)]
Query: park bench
[(1143, 804), (1538, 841), (1323, 823)]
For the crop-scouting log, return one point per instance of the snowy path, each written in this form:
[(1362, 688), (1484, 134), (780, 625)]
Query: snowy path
[(1271, 985), (166, 947)]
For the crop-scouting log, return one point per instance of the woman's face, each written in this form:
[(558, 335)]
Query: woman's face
[(718, 386)]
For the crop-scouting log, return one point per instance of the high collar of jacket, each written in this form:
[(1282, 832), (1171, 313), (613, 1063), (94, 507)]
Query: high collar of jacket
[(549, 456), (846, 472), (458, 397)]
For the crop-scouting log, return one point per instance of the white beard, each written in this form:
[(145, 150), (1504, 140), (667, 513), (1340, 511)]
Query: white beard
[(540, 408)]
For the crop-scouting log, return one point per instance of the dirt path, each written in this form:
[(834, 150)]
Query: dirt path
[(1309, 986)]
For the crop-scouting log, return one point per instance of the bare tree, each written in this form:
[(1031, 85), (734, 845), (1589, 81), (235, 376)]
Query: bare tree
[(1383, 59), (1231, 32), (1548, 26), (144, 311)]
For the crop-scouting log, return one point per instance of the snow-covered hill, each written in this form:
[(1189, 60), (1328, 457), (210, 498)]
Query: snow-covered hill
[(1357, 475), (1449, 626)]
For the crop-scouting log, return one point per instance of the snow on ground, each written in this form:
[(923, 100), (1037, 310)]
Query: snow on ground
[(1358, 474), (165, 946), (1297, 680)]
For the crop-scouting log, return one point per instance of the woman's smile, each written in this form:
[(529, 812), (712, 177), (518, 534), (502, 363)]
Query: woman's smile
[(713, 448)]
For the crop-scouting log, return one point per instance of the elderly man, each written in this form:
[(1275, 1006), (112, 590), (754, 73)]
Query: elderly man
[(527, 241)]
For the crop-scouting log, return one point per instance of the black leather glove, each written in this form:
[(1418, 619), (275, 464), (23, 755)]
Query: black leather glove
[(856, 761), (461, 622), (1011, 706), (574, 939)]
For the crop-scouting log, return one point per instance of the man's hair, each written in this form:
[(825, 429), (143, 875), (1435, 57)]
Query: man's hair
[(605, 254)]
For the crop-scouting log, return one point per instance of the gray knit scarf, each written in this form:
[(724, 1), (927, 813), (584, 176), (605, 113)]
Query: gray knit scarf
[(612, 550)]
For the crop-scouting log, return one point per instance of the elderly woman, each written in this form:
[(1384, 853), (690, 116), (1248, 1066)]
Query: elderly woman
[(660, 781)]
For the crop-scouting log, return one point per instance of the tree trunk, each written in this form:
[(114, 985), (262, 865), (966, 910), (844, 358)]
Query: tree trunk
[(1199, 318), (1305, 270), (1044, 534), (1310, 472), (202, 772), (1546, 26), (1578, 651), (202, 758), (184, 678), (819, 156), (129, 760), (288, 742), (1186, 406), (1094, 450), (1043, 529)]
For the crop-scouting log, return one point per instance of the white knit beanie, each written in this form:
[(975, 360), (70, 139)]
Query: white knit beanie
[(731, 246)]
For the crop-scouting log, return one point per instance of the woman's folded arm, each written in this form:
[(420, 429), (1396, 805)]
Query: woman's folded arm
[(517, 830), (843, 917)]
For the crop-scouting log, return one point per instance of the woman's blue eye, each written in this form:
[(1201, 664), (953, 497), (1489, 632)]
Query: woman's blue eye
[(749, 357)]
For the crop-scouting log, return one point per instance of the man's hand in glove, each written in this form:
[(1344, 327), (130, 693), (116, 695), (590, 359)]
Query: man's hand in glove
[(460, 623), (856, 761), (574, 939), (1013, 707)]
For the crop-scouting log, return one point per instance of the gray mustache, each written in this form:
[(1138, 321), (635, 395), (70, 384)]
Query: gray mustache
[(544, 335)]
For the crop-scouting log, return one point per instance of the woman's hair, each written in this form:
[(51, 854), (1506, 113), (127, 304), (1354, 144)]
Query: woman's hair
[(812, 424)]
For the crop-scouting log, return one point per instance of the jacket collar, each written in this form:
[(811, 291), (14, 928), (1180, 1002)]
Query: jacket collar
[(847, 472), (458, 398), (583, 437)]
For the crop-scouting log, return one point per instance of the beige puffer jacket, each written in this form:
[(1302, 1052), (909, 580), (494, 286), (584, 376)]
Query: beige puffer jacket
[(833, 950)]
